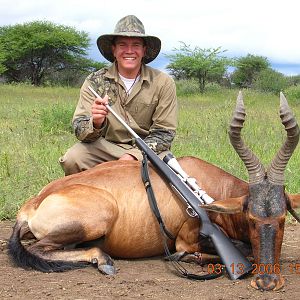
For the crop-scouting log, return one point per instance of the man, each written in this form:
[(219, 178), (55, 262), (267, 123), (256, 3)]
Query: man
[(144, 97)]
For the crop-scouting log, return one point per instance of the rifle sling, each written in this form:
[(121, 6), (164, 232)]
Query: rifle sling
[(151, 197), (165, 233)]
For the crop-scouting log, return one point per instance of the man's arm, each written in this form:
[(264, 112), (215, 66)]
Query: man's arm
[(160, 140), (89, 117)]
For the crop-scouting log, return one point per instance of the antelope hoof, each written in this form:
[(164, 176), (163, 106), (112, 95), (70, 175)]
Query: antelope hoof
[(107, 269)]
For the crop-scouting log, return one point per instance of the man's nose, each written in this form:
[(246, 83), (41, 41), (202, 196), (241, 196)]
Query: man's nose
[(129, 48)]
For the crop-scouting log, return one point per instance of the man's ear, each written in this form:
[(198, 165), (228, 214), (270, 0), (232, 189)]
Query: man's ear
[(227, 206)]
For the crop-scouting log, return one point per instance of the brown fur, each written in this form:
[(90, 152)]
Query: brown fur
[(109, 202)]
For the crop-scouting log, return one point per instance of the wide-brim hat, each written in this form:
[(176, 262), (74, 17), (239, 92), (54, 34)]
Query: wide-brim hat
[(129, 26)]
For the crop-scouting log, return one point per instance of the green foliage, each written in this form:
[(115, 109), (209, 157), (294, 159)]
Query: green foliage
[(2, 60), (56, 119), (32, 51), (247, 70), (201, 64), (186, 87), (293, 93), (69, 77), (269, 80), (294, 80), (32, 140), (203, 125), (189, 87)]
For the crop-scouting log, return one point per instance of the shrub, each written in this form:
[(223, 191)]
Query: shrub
[(293, 93), (187, 87), (270, 80)]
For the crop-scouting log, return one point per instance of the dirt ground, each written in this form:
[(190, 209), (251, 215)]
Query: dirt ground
[(146, 279)]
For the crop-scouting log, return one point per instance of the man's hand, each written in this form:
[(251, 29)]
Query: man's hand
[(127, 157), (99, 111)]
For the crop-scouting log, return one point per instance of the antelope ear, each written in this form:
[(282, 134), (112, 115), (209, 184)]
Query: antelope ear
[(227, 206), (294, 200)]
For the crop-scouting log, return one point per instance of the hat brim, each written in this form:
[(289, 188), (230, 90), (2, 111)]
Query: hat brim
[(153, 45)]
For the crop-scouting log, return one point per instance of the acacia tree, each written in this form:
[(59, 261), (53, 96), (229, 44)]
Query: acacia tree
[(248, 69), (201, 64), (2, 59), (34, 50)]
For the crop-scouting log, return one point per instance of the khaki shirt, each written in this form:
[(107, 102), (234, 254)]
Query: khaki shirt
[(150, 109)]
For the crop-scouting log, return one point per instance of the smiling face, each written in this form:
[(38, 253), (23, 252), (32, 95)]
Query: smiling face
[(129, 52)]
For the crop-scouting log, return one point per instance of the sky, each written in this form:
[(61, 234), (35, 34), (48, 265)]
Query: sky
[(258, 27)]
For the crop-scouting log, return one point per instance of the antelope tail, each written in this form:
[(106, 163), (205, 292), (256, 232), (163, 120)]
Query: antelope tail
[(26, 259)]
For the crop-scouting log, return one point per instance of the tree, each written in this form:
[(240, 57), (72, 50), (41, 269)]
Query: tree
[(72, 75), (2, 59), (201, 64), (247, 70), (32, 51)]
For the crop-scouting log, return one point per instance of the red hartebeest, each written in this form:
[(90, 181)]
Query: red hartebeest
[(108, 204)]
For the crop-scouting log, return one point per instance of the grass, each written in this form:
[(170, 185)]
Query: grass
[(203, 125), (35, 131)]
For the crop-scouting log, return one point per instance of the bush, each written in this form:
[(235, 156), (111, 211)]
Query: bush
[(213, 87), (293, 93), (270, 80), (294, 80), (186, 87)]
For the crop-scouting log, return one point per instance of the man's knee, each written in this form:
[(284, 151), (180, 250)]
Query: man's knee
[(75, 161), (69, 163)]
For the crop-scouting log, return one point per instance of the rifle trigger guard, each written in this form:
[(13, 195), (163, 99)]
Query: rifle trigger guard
[(189, 210)]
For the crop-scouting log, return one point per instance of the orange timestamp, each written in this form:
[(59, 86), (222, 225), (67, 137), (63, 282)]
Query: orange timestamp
[(257, 269)]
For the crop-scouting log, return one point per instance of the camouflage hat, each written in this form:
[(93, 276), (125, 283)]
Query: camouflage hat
[(129, 26)]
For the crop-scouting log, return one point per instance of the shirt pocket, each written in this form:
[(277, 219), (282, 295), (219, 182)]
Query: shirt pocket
[(143, 111)]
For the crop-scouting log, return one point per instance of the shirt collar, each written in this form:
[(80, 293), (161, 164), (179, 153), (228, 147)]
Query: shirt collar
[(112, 73)]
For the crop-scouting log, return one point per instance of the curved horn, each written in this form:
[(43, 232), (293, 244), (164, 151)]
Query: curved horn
[(255, 169), (277, 167)]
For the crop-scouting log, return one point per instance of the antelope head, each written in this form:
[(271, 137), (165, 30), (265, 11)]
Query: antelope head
[(266, 205)]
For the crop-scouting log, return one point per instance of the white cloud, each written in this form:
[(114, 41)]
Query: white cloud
[(257, 27)]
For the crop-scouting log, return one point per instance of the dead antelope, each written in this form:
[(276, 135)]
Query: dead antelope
[(108, 205)]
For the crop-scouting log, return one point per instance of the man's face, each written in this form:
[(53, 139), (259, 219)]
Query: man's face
[(129, 52)]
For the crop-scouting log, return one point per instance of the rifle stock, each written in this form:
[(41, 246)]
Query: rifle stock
[(236, 264)]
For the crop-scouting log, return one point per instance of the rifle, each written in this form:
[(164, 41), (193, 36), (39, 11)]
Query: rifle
[(235, 263)]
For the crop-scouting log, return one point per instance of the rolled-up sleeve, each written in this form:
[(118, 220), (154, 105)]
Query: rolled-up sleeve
[(82, 119)]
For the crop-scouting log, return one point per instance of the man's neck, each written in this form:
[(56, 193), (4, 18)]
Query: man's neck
[(129, 74)]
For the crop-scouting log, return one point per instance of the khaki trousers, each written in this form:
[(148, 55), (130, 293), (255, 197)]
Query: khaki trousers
[(84, 156)]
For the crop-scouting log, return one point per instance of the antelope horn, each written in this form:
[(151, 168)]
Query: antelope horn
[(277, 167), (255, 169)]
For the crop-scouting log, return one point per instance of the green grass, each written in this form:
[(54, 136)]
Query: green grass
[(35, 131), (203, 125)]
